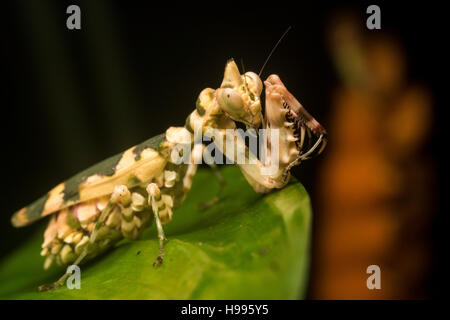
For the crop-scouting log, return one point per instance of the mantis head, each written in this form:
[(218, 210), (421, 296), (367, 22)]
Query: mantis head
[(300, 135), (239, 96)]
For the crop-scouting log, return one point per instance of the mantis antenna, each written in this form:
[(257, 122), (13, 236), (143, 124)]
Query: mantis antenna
[(271, 52)]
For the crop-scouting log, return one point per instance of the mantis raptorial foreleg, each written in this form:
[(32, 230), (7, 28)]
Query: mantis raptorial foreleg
[(257, 174)]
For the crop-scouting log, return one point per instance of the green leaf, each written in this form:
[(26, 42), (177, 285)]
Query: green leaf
[(246, 246)]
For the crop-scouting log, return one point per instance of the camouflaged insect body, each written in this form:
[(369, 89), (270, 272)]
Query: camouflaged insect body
[(75, 210), (69, 230), (120, 196)]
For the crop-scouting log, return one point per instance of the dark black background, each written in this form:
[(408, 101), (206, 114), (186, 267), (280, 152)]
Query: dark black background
[(73, 98)]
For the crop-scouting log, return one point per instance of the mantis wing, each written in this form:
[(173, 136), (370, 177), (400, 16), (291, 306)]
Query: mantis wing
[(136, 165)]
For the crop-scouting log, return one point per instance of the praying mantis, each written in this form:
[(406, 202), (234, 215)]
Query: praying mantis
[(121, 196)]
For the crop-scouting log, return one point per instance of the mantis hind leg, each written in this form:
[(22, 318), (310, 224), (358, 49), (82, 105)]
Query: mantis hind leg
[(120, 196), (60, 282)]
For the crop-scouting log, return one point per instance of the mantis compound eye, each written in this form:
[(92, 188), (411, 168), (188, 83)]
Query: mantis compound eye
[(233, 105), (254, 82), (231, 102)]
